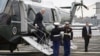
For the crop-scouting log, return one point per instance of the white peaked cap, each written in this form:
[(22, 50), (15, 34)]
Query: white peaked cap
[(56, 23), (66, 22)]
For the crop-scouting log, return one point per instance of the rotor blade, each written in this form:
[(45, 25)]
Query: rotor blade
[(66, 7), (78, 8), (82, 12), (85, 7)]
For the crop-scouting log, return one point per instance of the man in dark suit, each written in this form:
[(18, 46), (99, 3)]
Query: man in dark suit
[(86, 35), (38, 24), (38, 19)]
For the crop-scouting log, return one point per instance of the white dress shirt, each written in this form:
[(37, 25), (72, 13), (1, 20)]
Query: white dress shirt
[(87, 27)]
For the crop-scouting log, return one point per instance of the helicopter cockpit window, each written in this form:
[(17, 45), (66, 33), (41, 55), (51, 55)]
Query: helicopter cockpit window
[(16, 10), (2, 5)]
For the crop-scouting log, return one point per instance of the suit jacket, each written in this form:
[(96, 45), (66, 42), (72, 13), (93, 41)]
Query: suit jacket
[(85, 33), (38, 19)]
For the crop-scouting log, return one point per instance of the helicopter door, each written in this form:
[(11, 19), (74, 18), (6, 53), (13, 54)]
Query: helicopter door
[(55, 16), (24, 25)]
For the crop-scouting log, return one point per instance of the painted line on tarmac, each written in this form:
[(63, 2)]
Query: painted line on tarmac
[(94, 47), (7, 51), (86, 52)]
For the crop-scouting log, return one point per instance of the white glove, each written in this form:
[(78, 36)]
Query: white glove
[(36, 26)]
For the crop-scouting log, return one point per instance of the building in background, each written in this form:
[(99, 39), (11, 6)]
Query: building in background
[(98, 10)]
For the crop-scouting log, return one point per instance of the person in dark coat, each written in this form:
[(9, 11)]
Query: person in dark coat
[(38, 19), (38, 24), (86, 35), (68, 35), (56, 37)]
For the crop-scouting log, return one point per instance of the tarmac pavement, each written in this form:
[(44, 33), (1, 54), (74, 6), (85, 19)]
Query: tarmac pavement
[(94, 48)]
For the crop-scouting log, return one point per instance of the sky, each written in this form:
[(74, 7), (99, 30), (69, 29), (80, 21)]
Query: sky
[(89, 3)]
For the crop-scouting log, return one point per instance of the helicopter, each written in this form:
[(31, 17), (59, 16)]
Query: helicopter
[(16, 19)]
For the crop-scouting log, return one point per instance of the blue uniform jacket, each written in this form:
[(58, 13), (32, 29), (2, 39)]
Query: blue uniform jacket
[(55, 31)]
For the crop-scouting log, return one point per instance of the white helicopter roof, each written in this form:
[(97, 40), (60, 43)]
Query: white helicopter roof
[(29, 2)]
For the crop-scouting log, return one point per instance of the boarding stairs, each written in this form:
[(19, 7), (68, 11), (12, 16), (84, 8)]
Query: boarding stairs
[(43, 45)]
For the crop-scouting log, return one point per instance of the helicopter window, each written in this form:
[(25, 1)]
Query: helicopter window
[(48, 16), (64, 16), (16, 10), (2, 5), (37, 1), (55, 15), (31, 16)]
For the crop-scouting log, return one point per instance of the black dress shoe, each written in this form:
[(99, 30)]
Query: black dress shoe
[(86, 50)]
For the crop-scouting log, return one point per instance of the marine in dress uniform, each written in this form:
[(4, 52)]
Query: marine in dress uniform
[(68, 35), (56, 37)]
